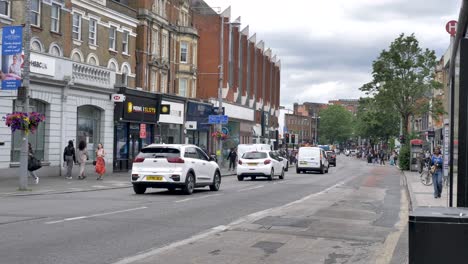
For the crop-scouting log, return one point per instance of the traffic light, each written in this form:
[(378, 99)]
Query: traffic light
[(286, 138), (293, 138)]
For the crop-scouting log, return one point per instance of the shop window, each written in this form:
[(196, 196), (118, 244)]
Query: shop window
[(37, 139), (89, 128)]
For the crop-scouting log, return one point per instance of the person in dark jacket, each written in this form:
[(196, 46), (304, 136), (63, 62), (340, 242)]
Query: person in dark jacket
[(31, 172), (232, 159), (69, 158)]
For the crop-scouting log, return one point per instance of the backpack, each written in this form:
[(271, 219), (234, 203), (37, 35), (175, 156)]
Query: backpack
[(68, 151)]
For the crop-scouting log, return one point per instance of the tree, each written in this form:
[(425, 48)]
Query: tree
[(335, 124), (375, 123), (403, 80)]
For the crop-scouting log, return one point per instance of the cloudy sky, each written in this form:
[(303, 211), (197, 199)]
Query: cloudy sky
[(327, 47)]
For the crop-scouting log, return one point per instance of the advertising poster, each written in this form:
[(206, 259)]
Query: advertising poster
[(12, 59)]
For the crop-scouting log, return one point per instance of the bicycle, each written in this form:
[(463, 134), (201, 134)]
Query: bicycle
[(426, 175)]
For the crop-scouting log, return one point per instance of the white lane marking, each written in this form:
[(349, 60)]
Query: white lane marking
[(99, 186), (251, 188), (196, 198), (252, 217), (94, 215)]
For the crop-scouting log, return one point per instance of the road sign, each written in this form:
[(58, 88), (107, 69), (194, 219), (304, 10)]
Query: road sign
[(218, 119), (142, 130), (451, 27), (118, 98), (430, 134), (215, 110), (224, 119)]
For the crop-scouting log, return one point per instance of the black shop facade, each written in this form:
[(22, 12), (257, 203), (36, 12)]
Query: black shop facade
[(135, 124)]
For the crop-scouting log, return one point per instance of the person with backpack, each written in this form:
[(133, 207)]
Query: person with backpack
[(82, 158), (33, 164), (69, 158)]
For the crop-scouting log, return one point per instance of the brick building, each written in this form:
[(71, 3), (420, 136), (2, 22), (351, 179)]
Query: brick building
[(251, 75), (350, 104), (302, 126)]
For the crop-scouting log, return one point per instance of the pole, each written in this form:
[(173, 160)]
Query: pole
[(220, 87), (451, 126), (23, 170)]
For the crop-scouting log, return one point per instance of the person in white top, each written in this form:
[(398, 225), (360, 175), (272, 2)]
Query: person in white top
[(15, 67)]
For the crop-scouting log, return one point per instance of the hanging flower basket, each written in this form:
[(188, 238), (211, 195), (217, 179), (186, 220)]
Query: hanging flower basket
[(219, 135), (27, 122)]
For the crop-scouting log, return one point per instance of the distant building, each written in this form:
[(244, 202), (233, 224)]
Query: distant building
[(350, 104)]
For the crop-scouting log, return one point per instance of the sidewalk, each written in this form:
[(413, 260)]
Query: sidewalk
[(57, 185), (422, 195)]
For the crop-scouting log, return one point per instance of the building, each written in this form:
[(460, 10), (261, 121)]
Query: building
[(80, 50), (350, 104), (311, 110), (302, 126), (282, 125), (250, 79)]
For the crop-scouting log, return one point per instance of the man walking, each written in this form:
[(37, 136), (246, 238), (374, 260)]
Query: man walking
[(232, 159)]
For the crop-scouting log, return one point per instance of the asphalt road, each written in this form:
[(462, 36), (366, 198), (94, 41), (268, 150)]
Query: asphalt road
[(106, 226)]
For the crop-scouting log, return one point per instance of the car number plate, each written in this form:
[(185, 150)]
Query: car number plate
[(252, 164), (154, 178), (303, 162)]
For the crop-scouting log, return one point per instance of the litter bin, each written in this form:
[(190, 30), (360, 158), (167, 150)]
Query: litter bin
[(438, 235)]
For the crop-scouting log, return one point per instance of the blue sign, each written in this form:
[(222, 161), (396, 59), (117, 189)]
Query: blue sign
[(12, 59), (218, 119)]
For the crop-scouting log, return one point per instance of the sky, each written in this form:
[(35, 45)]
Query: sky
[(327, 47)]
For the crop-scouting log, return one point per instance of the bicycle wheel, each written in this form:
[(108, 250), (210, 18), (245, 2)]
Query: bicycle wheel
[(426, 178)]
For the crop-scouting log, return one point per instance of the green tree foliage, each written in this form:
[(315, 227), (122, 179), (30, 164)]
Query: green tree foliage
[(336, 124), (403, 79), (405, 156), (375, 123)]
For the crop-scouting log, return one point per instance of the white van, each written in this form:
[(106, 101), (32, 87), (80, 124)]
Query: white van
[(243, 148), (312, 159)]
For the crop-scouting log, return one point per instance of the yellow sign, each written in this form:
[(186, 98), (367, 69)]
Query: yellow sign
[(140, 109), (130, 107), (218, 152)]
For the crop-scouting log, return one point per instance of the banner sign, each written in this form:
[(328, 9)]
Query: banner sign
[(12, 59)]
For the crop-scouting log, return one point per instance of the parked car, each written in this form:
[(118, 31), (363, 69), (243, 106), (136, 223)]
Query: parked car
[(331, 157), (284, 157), (174, 166), (312, 159), (261, 163)]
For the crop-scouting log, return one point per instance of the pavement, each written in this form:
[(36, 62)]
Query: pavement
[(57, 184), (422, 195)]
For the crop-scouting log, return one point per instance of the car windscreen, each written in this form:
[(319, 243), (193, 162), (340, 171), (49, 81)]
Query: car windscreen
[(158, 152), (309, 152), (255, 155)]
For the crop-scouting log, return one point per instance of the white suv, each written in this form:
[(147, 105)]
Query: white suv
[(174, 166)]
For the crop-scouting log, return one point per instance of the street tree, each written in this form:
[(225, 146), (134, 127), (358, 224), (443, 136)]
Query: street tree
[(336, 124), (403, 80)]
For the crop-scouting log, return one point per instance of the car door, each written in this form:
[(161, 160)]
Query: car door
[(207, 168), (191, 157), (277, 166)]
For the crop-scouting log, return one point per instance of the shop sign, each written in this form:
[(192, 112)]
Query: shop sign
[(142, 130), (118, 98), (191, 125), (140, 109), (42, 64), (174, 113)]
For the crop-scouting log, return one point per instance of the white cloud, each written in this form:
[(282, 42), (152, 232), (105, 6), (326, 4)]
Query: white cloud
[(327, 47)]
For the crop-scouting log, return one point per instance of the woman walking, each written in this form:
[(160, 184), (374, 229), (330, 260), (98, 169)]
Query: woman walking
[(69, 158), (33, 164), (436, 162), (100, 163), (82, 158)]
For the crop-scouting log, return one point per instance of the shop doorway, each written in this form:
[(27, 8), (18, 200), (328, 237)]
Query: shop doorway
[(89, 128)]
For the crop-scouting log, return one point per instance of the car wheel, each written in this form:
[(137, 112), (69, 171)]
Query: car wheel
[(253, 178), (322, 170), (139, 189), (240, 178), (298, 171), (189, 184), (216, 182), (272, 174), (282, 174), (287, 166)]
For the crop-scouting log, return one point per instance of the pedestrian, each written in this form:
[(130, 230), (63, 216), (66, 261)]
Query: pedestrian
[(33, 164), (382, 157), (232, 159), (82, 158), (69, 159), (436, 170), (100, 162)]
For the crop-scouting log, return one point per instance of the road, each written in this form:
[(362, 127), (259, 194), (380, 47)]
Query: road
[(109, 225)]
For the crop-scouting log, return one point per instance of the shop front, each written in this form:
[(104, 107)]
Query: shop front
[(170, 130), (136, 120), (198, 129)]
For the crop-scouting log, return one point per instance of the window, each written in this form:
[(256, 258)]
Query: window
[(125, 39), (55, 18), (163, 83), (36, 13), (89, 128), (5, 8), (112, 37), (92, 61), (164, 46), (76, 31), (77, 57), (155, 43), (55, 50), (112, 65), (183, 52), (154, 81), (183, 87), (36, 45), (125, 72), (93, 31)]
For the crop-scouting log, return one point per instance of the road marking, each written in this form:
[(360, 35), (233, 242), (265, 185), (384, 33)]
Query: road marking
[(196, 198), (94, 215), (251, 188)]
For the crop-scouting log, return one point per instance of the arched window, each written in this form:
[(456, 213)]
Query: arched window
[(92, 59), (125, 73), (89, 128), (112, 65), (76, 55), (36, 45), (37, 139), (55, 50)]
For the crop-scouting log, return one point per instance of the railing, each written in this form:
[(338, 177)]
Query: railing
[(92, 75)]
